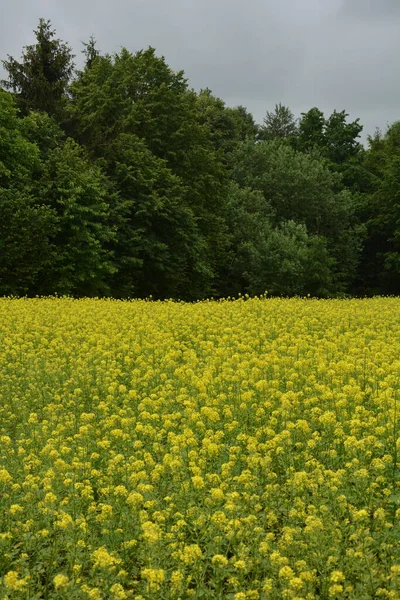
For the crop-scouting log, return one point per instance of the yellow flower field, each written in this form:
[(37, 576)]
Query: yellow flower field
[(241, 449)]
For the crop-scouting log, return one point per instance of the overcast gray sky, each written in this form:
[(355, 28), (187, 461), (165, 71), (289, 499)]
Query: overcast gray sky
[(341, 54)]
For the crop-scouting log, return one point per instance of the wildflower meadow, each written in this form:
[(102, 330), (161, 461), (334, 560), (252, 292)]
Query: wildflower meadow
[(239, 450)]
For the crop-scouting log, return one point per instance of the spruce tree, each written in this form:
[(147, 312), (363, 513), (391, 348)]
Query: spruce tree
[(40, 80)]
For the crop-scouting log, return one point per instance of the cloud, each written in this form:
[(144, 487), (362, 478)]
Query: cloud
[(370, 9)]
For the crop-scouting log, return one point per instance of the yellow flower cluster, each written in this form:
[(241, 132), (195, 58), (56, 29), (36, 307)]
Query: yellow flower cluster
[(247, 449)]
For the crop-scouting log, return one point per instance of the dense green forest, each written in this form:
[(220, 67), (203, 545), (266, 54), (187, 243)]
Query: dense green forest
[(118, 179)]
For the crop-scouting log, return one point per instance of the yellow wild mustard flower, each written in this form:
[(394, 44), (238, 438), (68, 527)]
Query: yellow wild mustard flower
[(219, 560), (60, 581), (117, 592), (190, 554), (14, 582), (253, 440), (154, 578), (103, 559)]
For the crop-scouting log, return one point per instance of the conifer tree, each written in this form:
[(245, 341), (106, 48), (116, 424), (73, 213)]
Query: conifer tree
[(40, 80)]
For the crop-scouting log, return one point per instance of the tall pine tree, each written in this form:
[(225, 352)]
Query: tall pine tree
[(40, 80)]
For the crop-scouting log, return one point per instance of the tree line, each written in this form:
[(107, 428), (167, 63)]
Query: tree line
[(118, 179)]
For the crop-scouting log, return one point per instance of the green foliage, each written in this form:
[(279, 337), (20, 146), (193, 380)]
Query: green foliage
[(311, 130), (227, 126), (282, 259), (43, 132), (40, 80), (341, 138), (288, 261), (53, 210), (90, 51), (138, 116), (300, 188), (26, 236), (25, 227), (159, 247), (279, 124), (337, 141), (249, 221), (18, 157), (126, 182), (381, 210), (132, 93), (78, 193)]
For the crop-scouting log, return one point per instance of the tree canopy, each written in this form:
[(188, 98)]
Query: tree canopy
[(120, 180), (39, 82)]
